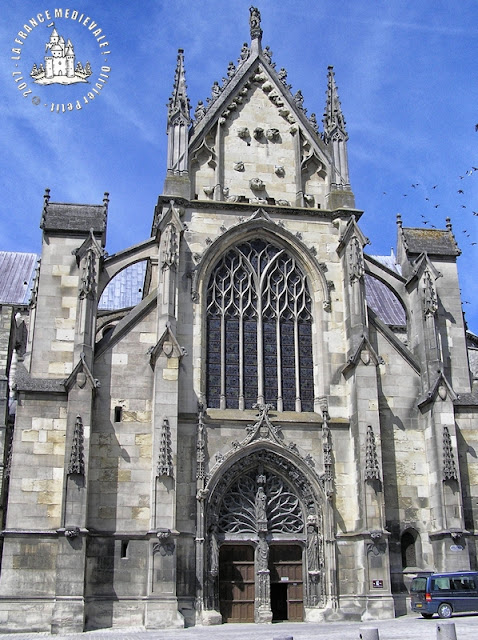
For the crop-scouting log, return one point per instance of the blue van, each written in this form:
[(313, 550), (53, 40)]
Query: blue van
[(444, 593)]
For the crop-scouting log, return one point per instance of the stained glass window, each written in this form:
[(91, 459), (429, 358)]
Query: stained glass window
[(259, 342)]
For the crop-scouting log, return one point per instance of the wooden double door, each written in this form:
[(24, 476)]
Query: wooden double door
[(237, 582)]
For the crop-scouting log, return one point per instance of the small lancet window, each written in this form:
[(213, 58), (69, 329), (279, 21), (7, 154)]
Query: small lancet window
[(118, 414), (124, 548), (259, 330)]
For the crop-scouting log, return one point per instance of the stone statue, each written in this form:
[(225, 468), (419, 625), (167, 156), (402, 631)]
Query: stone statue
[(255, 22), (200, 111), (245, 51), (312, 548), (356, 260), (215, 90), (261, 500), (267, 53), (262, 554), (213, 552), (313, 122), (231, 70), (299, 100)]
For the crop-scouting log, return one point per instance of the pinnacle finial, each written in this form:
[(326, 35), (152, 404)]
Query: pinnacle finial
[(179, 101), (333, 117)]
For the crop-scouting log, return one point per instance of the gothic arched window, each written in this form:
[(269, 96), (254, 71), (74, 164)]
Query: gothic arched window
[(259, 331)]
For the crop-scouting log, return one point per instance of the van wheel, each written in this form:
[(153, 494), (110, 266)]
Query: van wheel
[(427, 616), (445, 610)]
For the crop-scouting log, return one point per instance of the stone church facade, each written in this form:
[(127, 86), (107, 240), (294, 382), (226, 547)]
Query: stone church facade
[(279, 427)]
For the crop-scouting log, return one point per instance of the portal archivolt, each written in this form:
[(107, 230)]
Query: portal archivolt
[(266, 502)]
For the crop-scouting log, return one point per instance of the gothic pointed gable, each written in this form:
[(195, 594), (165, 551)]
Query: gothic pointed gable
[(80, 375), (352, 230), (420, 266), (167, 345), (363, 351), (440, 388), (253, 142), (90, 244)]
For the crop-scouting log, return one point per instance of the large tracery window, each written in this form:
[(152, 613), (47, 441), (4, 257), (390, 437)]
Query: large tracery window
[(259, 331)]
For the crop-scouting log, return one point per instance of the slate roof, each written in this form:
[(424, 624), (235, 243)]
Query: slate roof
[(17, 273), (59, 216), (381, 298), (390, 262), (432, 241), (384, 302), (125, 289)]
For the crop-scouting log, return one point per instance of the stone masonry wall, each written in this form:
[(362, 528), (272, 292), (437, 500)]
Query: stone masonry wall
[(121, 451), (54, 329)]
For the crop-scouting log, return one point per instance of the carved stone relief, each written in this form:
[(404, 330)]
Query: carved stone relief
[(430, 302), (356, 265), (256, 184), (279, 170), (243, 133), (273, 135), (165, 463), (77, 456), (449, 466), (372, 468), (88, 277), (170, 247), (258, 133)]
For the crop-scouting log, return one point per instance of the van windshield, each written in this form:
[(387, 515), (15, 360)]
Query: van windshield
[(419, 585)]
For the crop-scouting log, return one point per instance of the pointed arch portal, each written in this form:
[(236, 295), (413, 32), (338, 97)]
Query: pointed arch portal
[(264, 554)]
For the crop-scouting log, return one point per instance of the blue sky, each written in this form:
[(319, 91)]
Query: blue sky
[(406, 72)]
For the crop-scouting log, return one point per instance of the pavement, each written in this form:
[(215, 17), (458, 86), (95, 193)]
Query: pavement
[(403, 628)]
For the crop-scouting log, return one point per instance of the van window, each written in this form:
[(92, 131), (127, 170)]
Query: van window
[(441, 584), (419, 585), (463, 584)]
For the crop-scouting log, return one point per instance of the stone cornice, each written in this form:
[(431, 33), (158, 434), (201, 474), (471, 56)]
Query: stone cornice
[(248, 207)]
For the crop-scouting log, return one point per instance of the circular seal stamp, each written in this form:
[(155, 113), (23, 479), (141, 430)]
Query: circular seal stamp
[(61, 60)]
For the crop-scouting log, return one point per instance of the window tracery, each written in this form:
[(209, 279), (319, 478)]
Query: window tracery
[(259, 330)]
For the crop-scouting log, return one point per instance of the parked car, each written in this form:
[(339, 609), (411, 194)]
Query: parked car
[(444, 593)]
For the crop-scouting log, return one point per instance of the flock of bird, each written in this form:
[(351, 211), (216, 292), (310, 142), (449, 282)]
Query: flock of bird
[(463, 223), (426, 219)]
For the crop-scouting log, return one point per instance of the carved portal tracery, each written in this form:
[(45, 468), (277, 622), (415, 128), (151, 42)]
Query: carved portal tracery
[(246, 505)]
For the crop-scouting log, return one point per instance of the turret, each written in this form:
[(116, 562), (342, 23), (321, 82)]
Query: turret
[(177, 181)]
